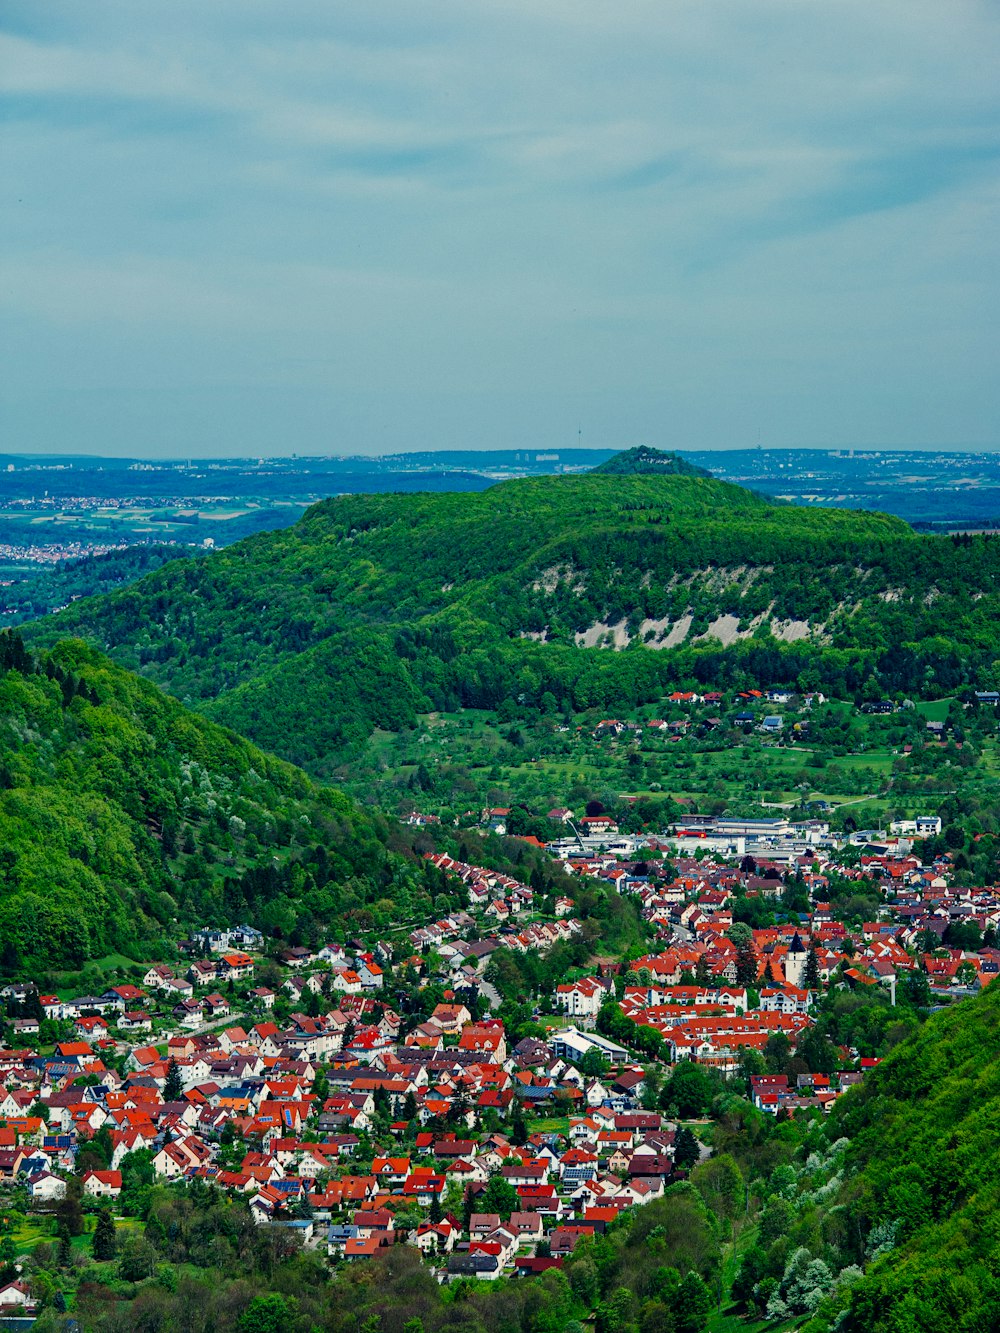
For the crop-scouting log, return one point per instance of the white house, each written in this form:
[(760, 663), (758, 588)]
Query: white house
[(581, 999), (347, 980), (434, 1237), (371, 976), (103, 1184), (15, 1295), (785, 1000), (46, 1187)]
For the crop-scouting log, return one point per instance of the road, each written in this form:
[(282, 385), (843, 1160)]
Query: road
[(233, 1021)]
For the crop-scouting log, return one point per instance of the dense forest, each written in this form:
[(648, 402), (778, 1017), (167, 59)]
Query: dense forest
[(374, 608), (126, 819), (123, 816), (924, 1171), (644, 461)]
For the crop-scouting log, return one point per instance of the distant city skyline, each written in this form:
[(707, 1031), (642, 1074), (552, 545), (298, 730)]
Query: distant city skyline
[(40, 457), (245, 230)]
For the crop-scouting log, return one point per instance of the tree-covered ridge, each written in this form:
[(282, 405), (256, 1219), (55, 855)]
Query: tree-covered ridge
[(124, 816), (39, 591), (374, 608), (926, 1156), (646, 461)]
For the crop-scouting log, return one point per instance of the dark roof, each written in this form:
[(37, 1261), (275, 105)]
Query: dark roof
[(472, 1263)]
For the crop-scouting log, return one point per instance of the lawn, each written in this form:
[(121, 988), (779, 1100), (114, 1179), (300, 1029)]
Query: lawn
[(67, 984), (38, 1227), (33, 1229), (934, 710), (553, 1124), (728, 1322), (991, 758), (879, 760)]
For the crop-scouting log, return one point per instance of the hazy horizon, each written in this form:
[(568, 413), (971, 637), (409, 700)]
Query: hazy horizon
[(246, 230), (859, 450)]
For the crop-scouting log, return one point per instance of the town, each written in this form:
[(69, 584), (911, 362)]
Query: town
[(369, 1093)]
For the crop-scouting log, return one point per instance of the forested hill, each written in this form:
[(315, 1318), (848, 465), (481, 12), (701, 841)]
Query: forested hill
[(124, 817), (38, 591), (373, 608), (925, 1131), (645, 461)]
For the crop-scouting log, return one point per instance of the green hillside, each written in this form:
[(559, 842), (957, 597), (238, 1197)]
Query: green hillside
[(125, 817), (373, 608), (645, 461), (926, 1147), (35, 591)]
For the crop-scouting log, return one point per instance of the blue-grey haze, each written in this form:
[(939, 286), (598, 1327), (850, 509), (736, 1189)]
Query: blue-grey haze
[(359, 227)]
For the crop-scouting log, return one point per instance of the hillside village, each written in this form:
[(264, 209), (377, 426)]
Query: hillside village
[(490, 1137), (770, 772)]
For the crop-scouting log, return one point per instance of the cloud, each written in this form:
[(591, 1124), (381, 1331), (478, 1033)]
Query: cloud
[(609, 209)]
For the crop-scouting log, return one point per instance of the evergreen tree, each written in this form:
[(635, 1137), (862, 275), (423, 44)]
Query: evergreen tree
[(65, 1249), (8, 1256), (518, 1127), (916, 988), (70, 685), (746, 964), (686, 1151), (810, 976), (321, 1088), (69, 1211), (173, 1086), (105, 1238)]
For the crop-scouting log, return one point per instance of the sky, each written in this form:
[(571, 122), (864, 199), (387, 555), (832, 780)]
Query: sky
[(260, 228)]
